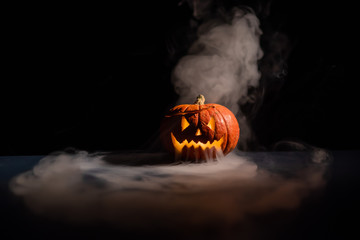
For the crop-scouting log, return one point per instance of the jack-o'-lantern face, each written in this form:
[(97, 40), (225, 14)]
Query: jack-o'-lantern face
[(196, 136), (200, 131)]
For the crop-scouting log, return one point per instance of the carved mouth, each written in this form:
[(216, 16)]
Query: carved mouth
[(179, 146)]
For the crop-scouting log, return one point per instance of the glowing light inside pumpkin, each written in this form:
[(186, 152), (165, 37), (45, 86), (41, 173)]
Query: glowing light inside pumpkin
[(198, 132), (211, 124), (179, 146), (184, 123)]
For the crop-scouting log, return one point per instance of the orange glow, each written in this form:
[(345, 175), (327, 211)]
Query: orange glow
[(179, 146), (184, 123), (211, 124), (198, 132)]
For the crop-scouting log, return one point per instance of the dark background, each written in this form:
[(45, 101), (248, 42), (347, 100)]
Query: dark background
[(97, 78)]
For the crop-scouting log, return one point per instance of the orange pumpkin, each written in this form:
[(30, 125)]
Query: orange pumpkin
[(200, 131)]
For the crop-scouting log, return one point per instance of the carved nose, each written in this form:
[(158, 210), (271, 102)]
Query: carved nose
[(198, 132)]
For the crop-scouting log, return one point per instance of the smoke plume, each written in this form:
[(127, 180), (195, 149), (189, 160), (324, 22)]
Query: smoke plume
[(222, 64)]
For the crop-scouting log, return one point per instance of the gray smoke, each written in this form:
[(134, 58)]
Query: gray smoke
[(222, 64), (84, 188)]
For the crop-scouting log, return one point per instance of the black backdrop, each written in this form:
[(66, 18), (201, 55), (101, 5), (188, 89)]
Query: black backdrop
[(97, 78)]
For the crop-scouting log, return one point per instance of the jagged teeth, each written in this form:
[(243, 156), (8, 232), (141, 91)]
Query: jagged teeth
[(179, 146)]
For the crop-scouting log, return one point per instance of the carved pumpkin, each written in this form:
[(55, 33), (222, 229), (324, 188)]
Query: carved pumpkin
[(200, 131)]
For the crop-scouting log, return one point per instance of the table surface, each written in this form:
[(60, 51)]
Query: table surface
[(332, 215)]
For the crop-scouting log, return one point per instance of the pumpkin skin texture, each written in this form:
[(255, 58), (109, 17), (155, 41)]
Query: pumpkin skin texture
[(199, 131)]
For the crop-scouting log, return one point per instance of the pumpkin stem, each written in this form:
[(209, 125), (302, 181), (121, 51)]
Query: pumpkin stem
[(200, 100)]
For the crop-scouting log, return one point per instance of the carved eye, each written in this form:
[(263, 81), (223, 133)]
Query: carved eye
[(211, 124), (184, 123)]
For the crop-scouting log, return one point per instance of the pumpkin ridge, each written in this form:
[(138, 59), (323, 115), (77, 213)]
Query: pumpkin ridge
[(186, 108), (198, 115), (227, 128), (190, 112)]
